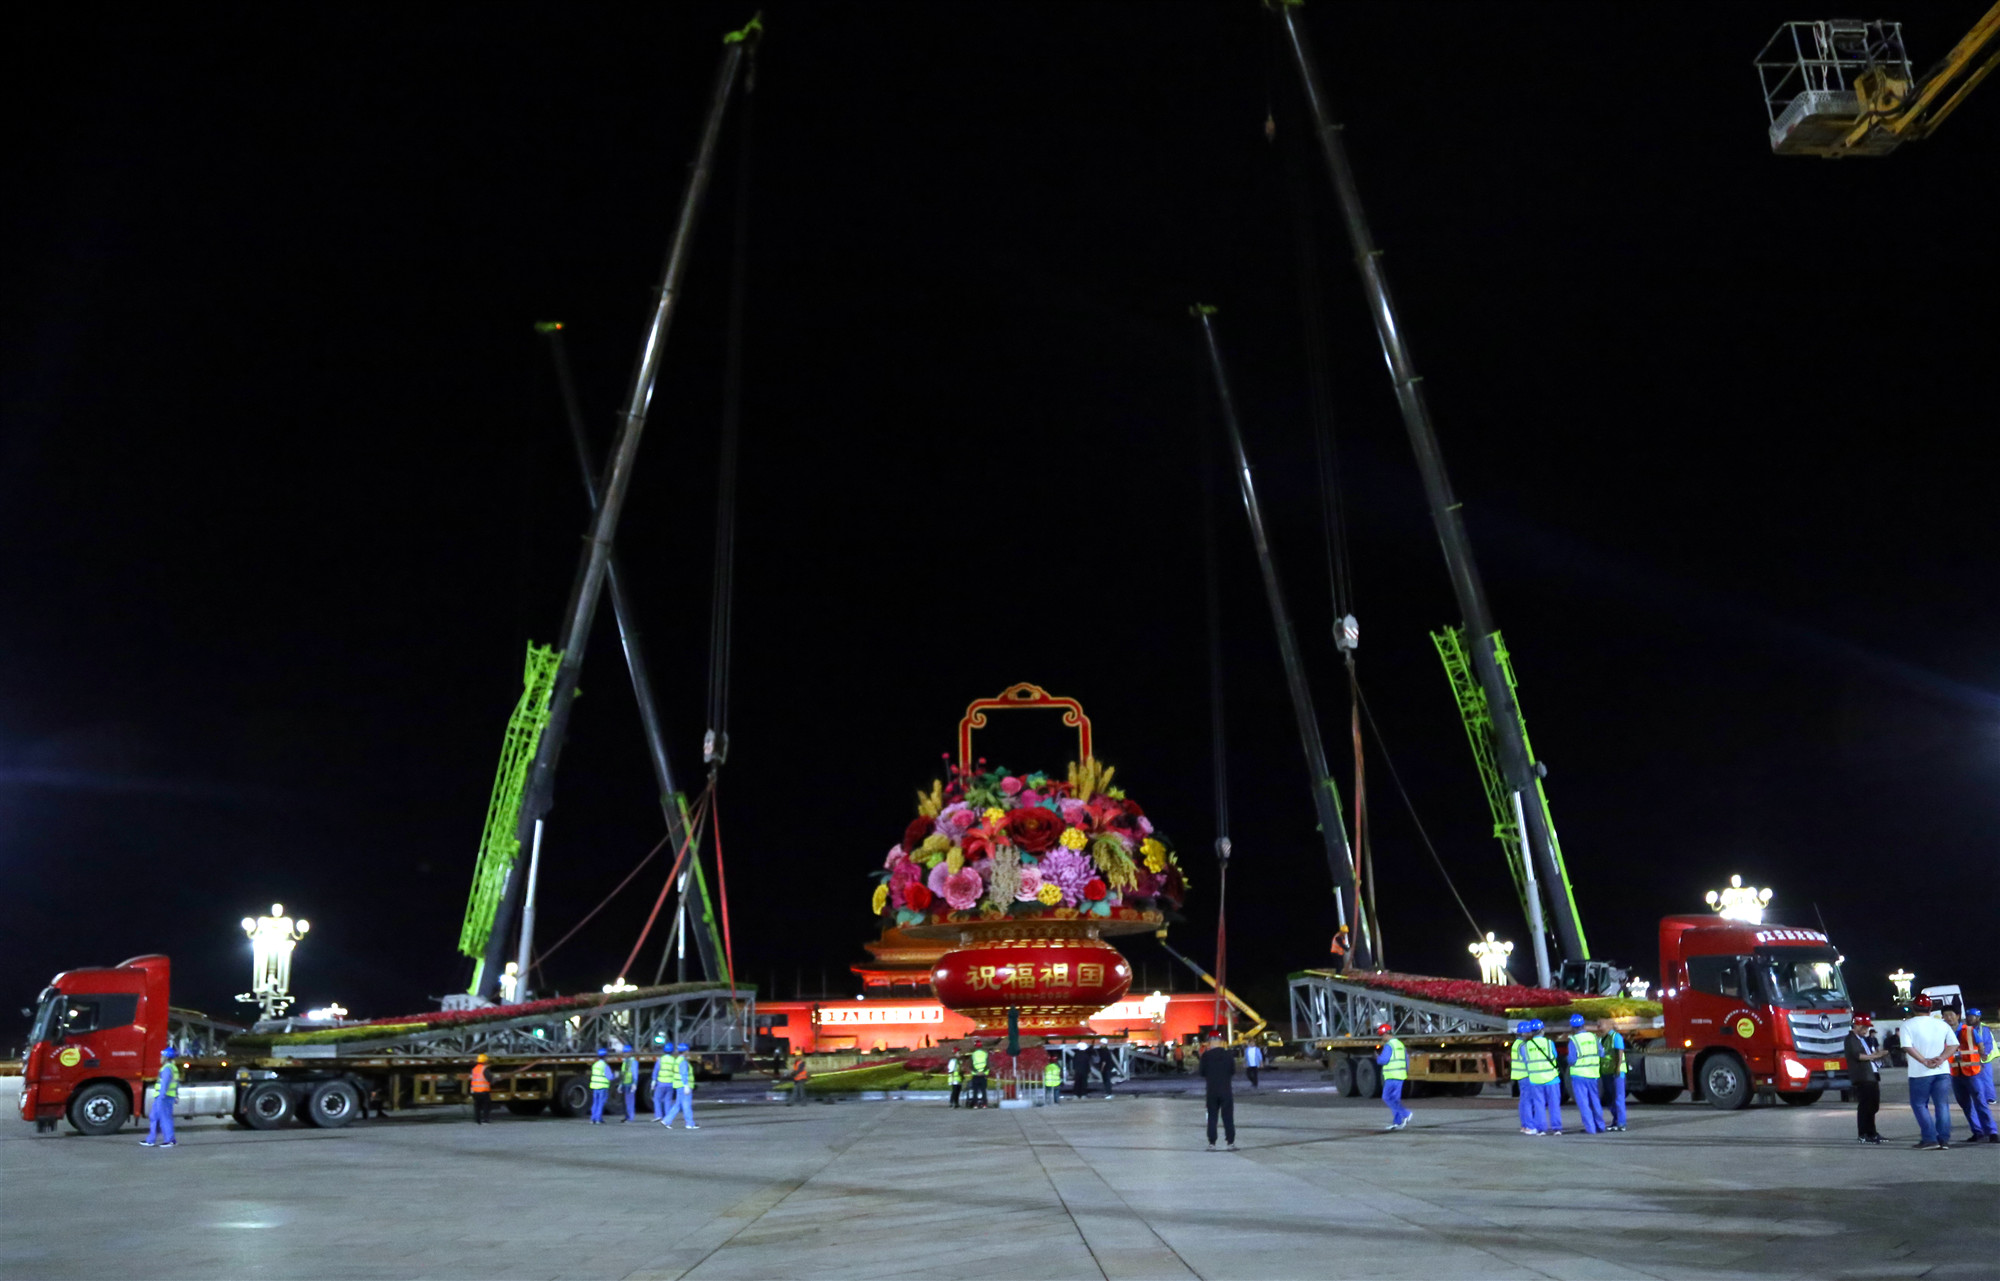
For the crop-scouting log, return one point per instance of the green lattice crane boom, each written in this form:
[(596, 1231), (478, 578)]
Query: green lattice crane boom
[(499, 845), (1477, 714)]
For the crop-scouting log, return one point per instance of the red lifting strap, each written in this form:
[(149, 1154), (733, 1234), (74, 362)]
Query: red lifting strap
[(722, 883)]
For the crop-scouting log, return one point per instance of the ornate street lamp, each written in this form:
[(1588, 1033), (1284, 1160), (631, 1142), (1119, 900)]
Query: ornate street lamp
[(1740, 902), (1492, 954), (1902, 979), (272, 939)]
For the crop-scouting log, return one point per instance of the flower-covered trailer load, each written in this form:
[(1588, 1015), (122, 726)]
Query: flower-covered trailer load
[(1027, 873)]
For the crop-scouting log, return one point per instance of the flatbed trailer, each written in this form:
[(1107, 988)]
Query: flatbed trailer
[(98, 1036), (1453, 1049)]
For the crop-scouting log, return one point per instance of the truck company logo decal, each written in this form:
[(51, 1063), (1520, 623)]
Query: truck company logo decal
[(1790, 936), (1745, 1028), (70, 1056)]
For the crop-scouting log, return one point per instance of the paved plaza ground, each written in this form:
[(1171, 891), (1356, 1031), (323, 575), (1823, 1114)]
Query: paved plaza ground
[(1095, 1188)]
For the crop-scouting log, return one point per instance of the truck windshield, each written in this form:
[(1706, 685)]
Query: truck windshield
[(46, 1014), (1800, 978)]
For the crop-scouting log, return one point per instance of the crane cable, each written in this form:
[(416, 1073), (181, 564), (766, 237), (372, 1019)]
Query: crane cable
[(638, 867), (1217, 739), (1383, 747)]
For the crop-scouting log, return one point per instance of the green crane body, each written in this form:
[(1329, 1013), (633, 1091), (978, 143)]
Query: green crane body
[(498, 844), (1478, 716)]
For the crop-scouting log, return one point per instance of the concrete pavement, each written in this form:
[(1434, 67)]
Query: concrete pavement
[(1115, 1189)]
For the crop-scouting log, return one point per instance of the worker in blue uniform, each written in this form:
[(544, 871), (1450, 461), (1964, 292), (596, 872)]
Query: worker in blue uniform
[(1546, 1079), (166, 1092), (665, 1075), (1982, 1036), (628, 1084), (600, 1086), (1394, 1060), (1614, 1050), (1586, 1066), (683, 1089), (1529, 1112)]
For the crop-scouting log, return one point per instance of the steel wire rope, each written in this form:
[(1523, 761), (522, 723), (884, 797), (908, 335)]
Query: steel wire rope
[(674, 873), (1382, 746), (638, 867)]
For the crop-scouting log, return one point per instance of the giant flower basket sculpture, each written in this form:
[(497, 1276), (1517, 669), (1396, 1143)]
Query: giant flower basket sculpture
[(1028, 874)]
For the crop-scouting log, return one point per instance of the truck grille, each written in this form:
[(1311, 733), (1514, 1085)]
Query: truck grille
[(1821, 1035)]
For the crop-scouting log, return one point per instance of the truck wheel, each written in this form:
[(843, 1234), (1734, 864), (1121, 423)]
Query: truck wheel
[(1367, 1078), (527, 1107), (1657, 1093), (1725, 1082), (101, 1108), (1469, 1089), (1343, 1077), (572, 1096), (1803, 1099), (332, 1104), (267, 1106)]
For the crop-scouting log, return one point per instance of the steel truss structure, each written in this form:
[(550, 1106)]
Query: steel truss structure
[(1326, 1006), (713, 1023)]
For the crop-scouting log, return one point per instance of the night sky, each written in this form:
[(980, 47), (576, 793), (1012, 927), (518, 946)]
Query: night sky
[(286, 487)]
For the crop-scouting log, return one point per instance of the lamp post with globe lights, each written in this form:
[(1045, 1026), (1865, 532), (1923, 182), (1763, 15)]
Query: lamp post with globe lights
[(1902, 979), (1740, 902), (1492, 954), (272, 939)]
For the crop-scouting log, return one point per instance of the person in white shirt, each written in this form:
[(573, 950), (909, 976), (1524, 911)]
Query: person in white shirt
[(1253, 1059), (1928, 1045)]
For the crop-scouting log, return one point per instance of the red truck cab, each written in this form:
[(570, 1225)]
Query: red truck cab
[(1749, 1009), (95, 1043)]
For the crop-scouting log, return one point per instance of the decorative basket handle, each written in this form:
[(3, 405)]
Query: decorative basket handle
[(1021, 695)]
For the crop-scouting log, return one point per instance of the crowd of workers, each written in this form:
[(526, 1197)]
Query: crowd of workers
[(1949, 1058)]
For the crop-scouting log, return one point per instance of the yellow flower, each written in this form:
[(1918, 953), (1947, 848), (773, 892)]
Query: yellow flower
[(993, 816), (1049, 895), (1156, 854), (936, 843), (881, 898), (954, 861), (1074, 839)]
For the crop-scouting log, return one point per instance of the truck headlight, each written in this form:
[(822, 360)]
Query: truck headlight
[(1797, 1070)]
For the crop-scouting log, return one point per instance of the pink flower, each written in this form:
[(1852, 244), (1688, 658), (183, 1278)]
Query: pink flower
[(895, 853), (904, 873), (937, 877), (963, 888), (1031, 798), (1011, 785), (1031, 884), (957, 819), (1145, 825), (1073, 811)]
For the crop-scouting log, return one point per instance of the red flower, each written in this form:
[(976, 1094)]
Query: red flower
[(1093, 889), (1035, 830), (1132, 809), (975, 846), (916, 833), (917, 895)]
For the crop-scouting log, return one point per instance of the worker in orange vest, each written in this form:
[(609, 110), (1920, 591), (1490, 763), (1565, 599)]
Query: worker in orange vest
[(482, 1092), (1967, 1066), (800, 1075)]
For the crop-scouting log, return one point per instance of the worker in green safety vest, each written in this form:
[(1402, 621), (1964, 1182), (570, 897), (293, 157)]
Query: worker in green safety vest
[(1529, 1096), (1394, 1060), (628, 1084), (1544, 1078), (979, 1060), (683, 1105), (1586, 1066), (600, 1086), (160, 1112), (1052, 1080), (953, 1078)]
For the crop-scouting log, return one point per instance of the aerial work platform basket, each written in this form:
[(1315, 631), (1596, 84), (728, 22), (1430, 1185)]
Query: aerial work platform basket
[(1824, 81)]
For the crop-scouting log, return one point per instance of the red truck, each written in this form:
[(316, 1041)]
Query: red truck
[(1749, 1009)]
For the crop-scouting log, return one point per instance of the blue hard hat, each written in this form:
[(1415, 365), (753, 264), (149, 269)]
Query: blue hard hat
[(1536, 1025), (1521, 1028), (602, 1053), (680, 1047), (169, 1052), (1974, 1013), (1576, 1020)]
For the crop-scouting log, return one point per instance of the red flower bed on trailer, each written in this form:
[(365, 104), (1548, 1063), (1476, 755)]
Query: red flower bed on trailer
[(1469, 993)]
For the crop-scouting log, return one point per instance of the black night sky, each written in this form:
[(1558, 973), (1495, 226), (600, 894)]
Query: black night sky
[(286, 488)]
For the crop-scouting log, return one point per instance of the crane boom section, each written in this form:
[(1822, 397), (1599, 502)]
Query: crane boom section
[(499, 843)]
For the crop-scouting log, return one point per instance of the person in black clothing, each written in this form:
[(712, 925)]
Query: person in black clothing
[(1080, 1060), (1217, 1068), (1106, 1061), (1866, 1079)]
